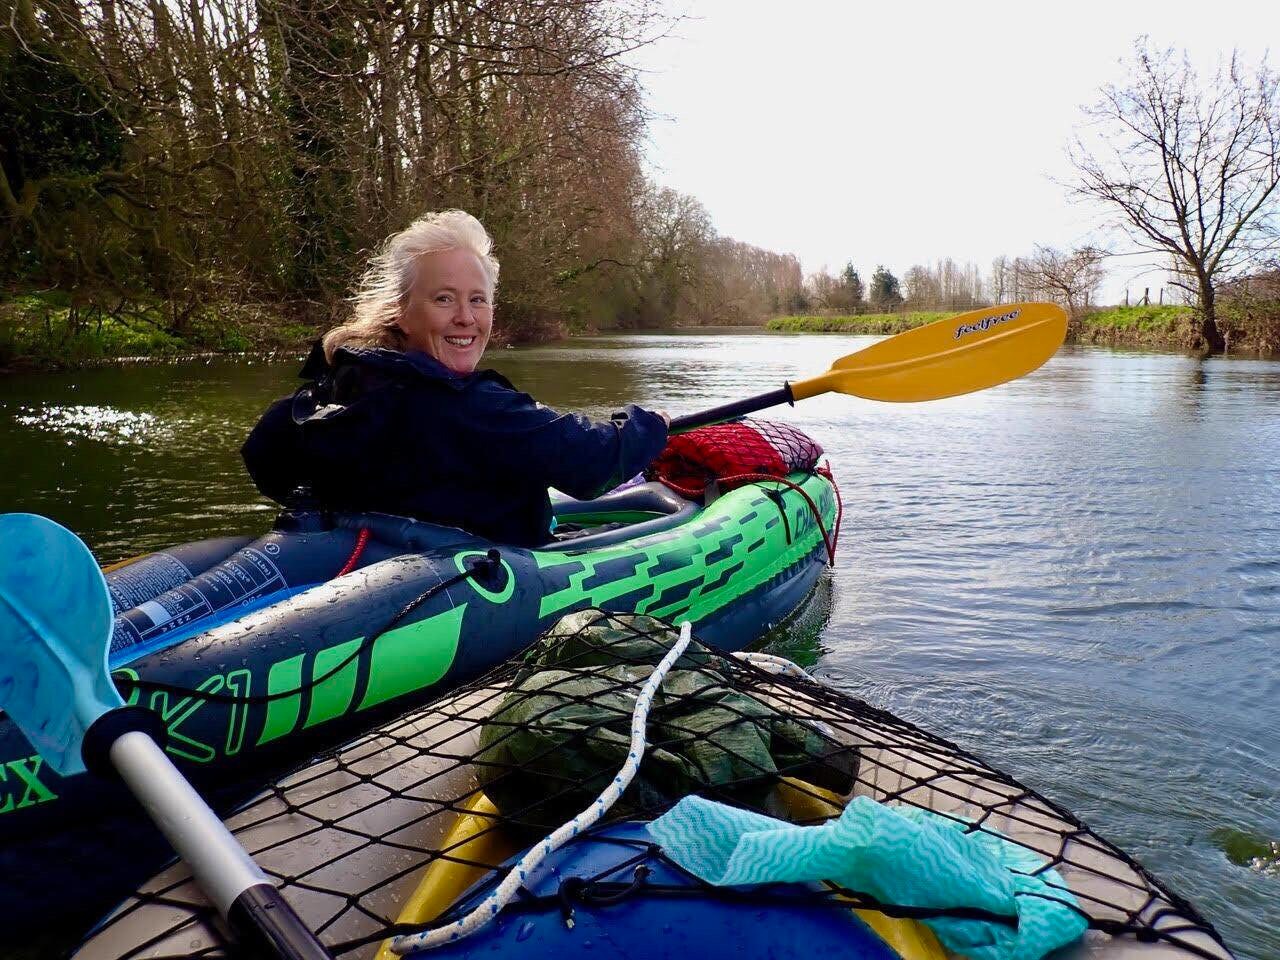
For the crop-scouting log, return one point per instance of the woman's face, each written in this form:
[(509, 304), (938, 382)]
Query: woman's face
[(450, 309)]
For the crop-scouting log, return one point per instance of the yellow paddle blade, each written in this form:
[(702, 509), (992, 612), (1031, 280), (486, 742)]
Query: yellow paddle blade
[(958, 355)]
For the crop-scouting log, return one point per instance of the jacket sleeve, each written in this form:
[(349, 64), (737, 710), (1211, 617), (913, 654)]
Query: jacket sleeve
[(570, 452), (272, 453)]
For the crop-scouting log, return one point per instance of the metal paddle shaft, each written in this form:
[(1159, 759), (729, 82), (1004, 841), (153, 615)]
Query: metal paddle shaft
[(731, 411), (55, 684), (947, 358), (261, 918)]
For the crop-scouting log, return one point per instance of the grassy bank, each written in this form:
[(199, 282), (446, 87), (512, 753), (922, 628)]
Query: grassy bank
[(1250, 326), (46, 330), (1151, 326), (867, 323)]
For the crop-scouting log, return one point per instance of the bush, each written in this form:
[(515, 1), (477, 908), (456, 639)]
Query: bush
[(869, 323)]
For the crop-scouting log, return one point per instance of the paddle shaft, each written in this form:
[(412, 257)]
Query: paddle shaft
[(731, 411), (225, 872)]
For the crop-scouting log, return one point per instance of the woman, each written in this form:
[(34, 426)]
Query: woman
[(397, 418)]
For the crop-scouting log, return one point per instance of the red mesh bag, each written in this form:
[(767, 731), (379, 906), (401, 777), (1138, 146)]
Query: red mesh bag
[(731, 454)]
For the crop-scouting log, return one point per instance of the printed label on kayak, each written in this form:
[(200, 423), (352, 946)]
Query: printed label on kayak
[(144, 579), (20, 785), (240, 579)]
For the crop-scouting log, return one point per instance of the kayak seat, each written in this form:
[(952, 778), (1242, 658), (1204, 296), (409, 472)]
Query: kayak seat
[(610, 519), (635, 511)]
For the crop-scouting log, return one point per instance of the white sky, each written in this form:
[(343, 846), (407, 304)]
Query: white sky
[(898, 133)]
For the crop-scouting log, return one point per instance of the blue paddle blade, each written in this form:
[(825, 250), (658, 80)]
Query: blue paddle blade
[(55, 632)]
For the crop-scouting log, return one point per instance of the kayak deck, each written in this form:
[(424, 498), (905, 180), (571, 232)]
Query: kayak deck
[(352, 835)]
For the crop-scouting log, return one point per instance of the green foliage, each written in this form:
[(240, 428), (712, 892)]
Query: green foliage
[(1250, 323), (868, 323), (885, 290), (1253, 325), (1146, 326), (847, 293), (1147, 319), (853, 285), (54, 121), (49, 330), (263, 161), (1248, 849)]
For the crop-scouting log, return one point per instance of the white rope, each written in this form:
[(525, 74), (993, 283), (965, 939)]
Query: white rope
[(516, 878), (771, 664)]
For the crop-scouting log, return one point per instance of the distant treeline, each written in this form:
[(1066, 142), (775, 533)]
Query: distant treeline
[(1248, 313), (209, 153), (1070, 278)]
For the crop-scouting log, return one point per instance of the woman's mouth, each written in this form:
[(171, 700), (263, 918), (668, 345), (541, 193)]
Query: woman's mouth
[(460, 342)]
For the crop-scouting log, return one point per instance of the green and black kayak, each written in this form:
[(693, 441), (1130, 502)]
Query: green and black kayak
[(254, 652)]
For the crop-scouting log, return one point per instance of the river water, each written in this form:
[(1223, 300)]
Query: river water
[(1076, 575)]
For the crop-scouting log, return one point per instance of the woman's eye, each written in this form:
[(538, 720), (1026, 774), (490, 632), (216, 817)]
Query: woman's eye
[(444, 298), (479, 301)]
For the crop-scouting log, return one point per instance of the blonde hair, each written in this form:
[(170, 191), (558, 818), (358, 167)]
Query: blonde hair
[(384, 289)]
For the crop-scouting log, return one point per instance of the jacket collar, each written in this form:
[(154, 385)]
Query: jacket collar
[(406, 364)]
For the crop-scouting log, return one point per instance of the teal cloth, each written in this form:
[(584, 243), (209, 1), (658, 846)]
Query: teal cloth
[(899, 855)]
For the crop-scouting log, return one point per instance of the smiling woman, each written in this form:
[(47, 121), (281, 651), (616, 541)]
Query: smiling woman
[(451, 315), (396, 417), (432, 280)]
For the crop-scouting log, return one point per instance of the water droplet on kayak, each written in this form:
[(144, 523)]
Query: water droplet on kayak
[(525, 931)]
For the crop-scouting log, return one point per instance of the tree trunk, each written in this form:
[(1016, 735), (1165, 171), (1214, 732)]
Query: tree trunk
[(1214, 342)]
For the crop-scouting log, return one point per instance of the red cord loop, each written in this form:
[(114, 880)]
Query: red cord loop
[(362, 540), (828, 538)]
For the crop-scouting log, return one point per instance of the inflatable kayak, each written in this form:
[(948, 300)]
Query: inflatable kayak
[(255, 652), (770, 816)]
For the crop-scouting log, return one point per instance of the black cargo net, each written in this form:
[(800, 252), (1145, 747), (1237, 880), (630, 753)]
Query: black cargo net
[(350, 835)]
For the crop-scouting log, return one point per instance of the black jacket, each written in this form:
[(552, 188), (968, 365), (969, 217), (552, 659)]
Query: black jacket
[(400, 433)]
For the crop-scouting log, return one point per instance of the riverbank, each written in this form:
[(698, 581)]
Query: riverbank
[(870, 324), (1250, 329), (46, 330)]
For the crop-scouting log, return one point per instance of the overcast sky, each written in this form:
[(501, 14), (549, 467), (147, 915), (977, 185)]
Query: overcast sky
[(899, 133)]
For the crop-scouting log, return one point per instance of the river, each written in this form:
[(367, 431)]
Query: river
[(1076, 575)]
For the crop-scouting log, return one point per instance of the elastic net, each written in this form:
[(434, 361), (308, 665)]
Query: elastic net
[(349, 835), (729, 454)]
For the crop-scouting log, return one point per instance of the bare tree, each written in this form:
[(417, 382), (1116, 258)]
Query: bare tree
[(1070, 279), (823, 287), (999, 278), (1189, 170)]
